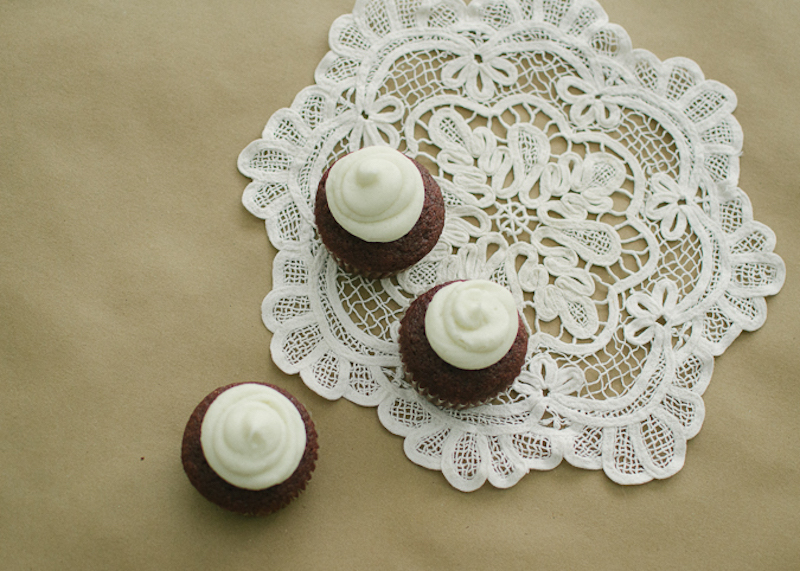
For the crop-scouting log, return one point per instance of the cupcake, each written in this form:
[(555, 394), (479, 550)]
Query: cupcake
[(249, 448), (378, 212), (462, 343)]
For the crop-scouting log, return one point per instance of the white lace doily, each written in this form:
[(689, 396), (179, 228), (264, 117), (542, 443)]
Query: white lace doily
[(596, 182)]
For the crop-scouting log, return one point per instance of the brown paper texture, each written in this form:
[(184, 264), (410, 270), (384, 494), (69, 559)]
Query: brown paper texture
[(131, 285)]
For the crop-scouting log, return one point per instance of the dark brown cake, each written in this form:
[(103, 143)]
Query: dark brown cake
[(382, 259), (233, 498), (443, 383)]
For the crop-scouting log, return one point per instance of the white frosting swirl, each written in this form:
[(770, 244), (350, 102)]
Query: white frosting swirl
[(253, 437), (472, 324), (375, 193)]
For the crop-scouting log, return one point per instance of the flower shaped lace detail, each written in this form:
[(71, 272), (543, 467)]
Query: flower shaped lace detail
[(374, 123), (547, 384), (652, 313), (479, 73), (589, 104), (670, 203), (567, 298)]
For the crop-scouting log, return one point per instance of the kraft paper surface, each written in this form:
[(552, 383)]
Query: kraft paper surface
[(131, 280)]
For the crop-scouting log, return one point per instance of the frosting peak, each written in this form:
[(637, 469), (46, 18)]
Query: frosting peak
[(472, 324), (253, 436), (375, 193)]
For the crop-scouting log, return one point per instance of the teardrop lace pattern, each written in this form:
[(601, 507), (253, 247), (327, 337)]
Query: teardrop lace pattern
[(596, 182)]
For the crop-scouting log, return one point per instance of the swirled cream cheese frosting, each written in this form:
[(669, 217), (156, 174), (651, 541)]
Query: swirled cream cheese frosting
[(253, 437), (472, 324), (375, 193)]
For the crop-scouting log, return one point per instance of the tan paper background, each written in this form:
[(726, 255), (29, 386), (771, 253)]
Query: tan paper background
[(131, 280)]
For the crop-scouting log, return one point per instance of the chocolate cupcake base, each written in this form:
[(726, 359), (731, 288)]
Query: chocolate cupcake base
[(377, 260), (233, 498), (447, 385)]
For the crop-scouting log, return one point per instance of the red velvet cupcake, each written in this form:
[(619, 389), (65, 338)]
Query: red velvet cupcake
[(249, 448), (378, 212), (462, 343)]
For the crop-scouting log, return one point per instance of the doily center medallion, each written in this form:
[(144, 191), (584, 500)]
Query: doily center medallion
[(595, 182)]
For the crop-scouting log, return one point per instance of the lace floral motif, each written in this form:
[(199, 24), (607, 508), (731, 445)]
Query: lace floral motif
[(595, 182)]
